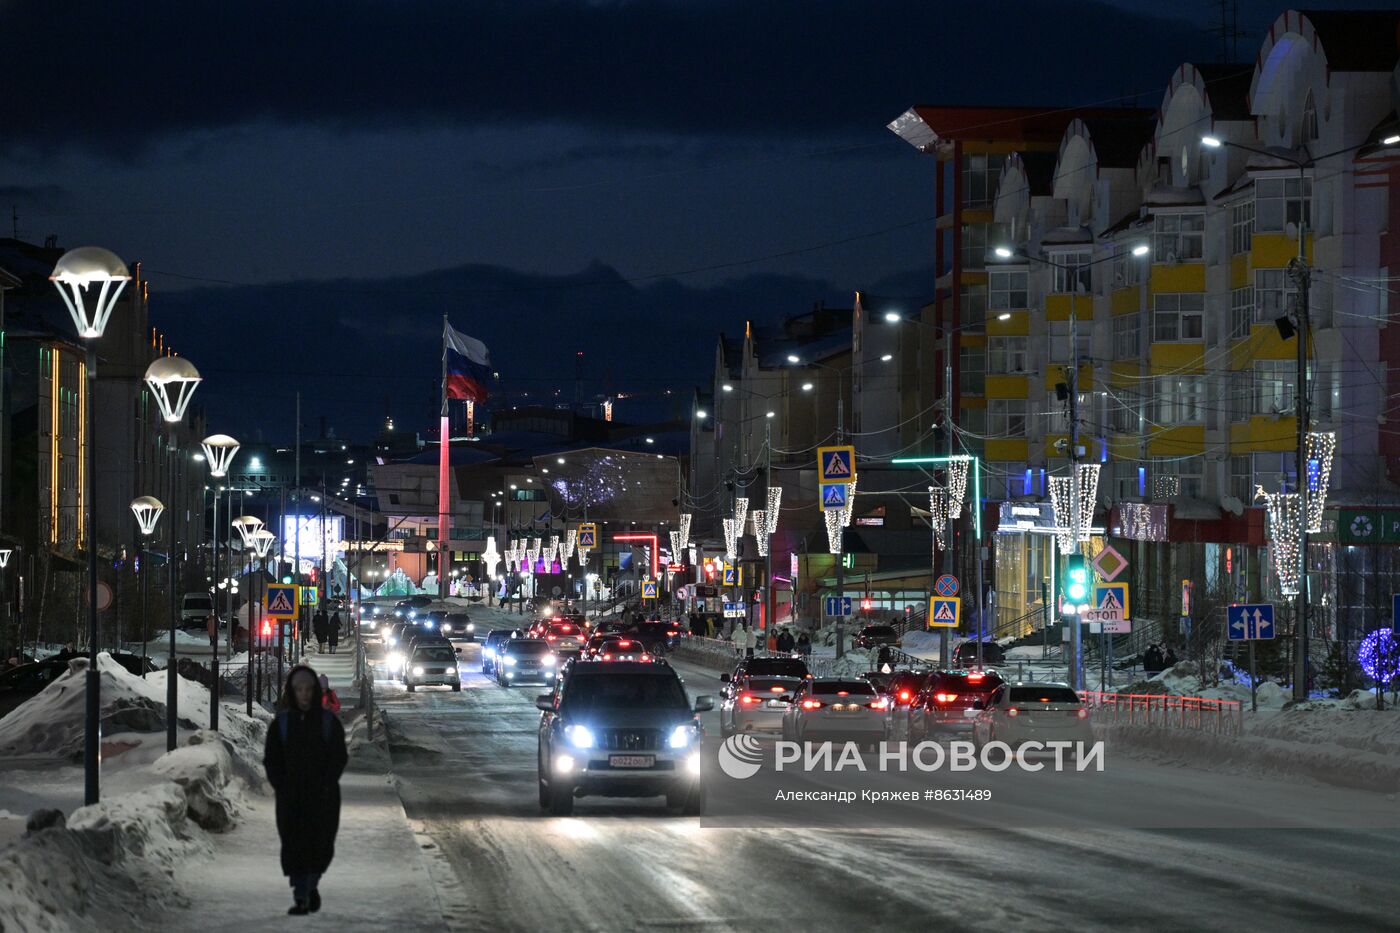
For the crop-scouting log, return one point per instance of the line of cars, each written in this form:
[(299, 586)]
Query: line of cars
[(418, 648)]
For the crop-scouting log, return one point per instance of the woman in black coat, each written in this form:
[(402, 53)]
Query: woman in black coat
[(304, 757)]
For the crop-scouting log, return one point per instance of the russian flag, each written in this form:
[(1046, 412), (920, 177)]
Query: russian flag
[(466, 364)]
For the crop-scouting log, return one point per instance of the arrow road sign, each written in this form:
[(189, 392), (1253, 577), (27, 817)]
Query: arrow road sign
[(1250, 622), (838, 605)]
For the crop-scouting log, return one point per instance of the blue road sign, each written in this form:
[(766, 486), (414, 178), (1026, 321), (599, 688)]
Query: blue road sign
[(836, 464), (281, 601), (731, 575), (734, 611), (834, 496), (946, 585), (944, 612), (838, 605), (1250, 622), (648, 589)]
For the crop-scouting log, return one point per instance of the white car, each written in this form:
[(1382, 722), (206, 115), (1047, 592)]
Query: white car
[(1032, 711), (830, 709)]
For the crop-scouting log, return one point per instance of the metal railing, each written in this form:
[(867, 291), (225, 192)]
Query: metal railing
[(1223, 717)]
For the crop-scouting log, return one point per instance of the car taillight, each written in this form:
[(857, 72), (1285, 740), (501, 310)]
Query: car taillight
[(1082, 713), (607, 657), (843, 693), (551, 637), (672, 634), (974, 676), (776, 689), (646, 657), (904, 696), (881, 703), (748, 699), (812, 704), (945, 697), (1013, 711)]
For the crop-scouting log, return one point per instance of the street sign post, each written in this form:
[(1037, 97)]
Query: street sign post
[(834, 496), (282, 600), (836, 464), (1108, 564), (587, 535), (946, 585), (308, 595), (944, 611), (1250, 622), (648, 589), (734, 610), (837, 605), (731, 575)]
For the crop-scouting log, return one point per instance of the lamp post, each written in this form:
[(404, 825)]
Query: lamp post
[(74, 275), (147, 510), (219, 450), (1301, 273), (259, 539), (5, 554), (172, 381), (1138, 251)]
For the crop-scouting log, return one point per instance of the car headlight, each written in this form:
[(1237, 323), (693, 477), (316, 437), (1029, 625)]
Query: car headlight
[(395, 660), (427, 623), (579, 736), (681, 736), (417, 671), (510, 662), (445, 626), (452, 670), (547, 660), (399, 613), (471, 626), (393, 640)]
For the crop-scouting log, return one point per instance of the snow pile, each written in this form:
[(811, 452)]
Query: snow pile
[(117, 858), (919, 643), (852, 664)]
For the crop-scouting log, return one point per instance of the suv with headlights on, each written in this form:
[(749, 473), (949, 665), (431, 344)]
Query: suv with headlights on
[(620, 729), (432, 663)]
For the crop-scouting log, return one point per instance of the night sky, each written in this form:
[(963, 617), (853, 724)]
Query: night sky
[(311, 185)]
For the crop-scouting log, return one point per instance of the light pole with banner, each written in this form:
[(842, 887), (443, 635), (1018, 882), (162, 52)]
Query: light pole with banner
[(172, 381), (75, 275)]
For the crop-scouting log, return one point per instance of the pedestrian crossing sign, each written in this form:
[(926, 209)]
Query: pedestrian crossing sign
[(834, 496), (731, 575), (836, 464), (648, 589), (944, 611), (281, 601), (587, 535), (308, 595)]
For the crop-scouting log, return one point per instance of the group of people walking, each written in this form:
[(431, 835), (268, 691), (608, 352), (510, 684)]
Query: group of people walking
[(746, 640), (1155, 659), (326, 629)]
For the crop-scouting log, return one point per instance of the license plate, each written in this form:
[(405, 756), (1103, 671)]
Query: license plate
[(631, 761), (776, 704), (971, 713)]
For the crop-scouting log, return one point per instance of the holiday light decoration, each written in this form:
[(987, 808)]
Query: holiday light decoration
[(685, 529), (759, 519), (850, 506), (957, 485), (570, 544), (1379, 656), (1060, 503), (1088, 497), (1283, 510), (490, 557), (1166, 487), (938, 515), (775, 505), (676, 547), (741, 512), (731, 538), (1321, 446), (833, 531)]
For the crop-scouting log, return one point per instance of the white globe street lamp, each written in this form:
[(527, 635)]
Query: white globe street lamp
[(74, 275), (218, 451), (147, 510), (172, 380)]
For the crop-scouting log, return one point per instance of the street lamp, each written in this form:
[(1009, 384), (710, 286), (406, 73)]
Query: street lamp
[(262, 542), (172, 381), (219, 450), (147, 510), (74, 275)]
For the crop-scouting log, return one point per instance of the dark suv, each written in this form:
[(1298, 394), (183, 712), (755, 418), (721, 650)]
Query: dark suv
[(965, 654), (873, 636), (950, 700), (620, 729)]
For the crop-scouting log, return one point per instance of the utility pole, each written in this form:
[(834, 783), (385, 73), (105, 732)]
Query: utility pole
[(296, 537), (1077, 661), (949, 559), (840, 531), (1301, 274)]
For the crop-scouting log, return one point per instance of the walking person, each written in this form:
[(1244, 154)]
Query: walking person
[(804, 645), (318, 628), (333, 631), (211, 626), (330, 700), (304, 758)]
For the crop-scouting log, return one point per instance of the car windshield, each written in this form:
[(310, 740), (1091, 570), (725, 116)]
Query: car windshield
[(198, 602), (527, 646), (879, 630), (852, 687), (661, 690), (435, 653), (776, 667), (1043, 695)]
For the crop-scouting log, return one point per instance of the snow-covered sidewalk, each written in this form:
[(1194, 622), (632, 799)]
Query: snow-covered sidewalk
[(378, 881)]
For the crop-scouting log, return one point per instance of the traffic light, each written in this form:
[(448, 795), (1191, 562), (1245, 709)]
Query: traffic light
[(1075, 583)]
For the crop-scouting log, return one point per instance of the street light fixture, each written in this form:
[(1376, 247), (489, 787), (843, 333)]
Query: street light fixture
[(172, 381), (74, 275), (147, 510), (219, 450)]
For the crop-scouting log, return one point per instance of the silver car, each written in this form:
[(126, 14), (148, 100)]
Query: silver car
[(432, 665), (756, 703), (831, 709)]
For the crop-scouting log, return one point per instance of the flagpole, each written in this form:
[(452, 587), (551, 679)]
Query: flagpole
[(444, 440)]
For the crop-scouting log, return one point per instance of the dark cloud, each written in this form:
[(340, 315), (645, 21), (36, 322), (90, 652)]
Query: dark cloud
[(103, 74), (43, 196)]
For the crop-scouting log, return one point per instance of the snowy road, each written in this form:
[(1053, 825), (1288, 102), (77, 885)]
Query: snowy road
[(466, 769)]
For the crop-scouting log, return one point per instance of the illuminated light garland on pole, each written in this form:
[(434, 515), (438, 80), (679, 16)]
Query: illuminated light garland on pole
[(775, 505), (1285, 529), (685, 530), (676, 546), (759, 519), (938, 515), (957, 485), (1088, 497), (850, 503), (833, 531), (570, 544), (731, 538), (1321, 446), (490, 557), (1379, 656), (741, 512), (1059, 500)]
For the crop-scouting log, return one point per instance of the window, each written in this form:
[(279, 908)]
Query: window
[(1008, 290), (1273, 386), (972, 305), (1006, 354), (981, 172), (1127, 268), (1007, 481), (971, 362), (1242, 479), (1125, 411), (1177, 317), (1071, 272), (1241, 311), (1006, 417), (1275, 471), (1309, 119), (1241, 227), (1179, 237), (1188, 472), (973, 420), (1127, 331), (1240, 395), (1273, 295), (1281, 200), (1178, 399), (974, 246)]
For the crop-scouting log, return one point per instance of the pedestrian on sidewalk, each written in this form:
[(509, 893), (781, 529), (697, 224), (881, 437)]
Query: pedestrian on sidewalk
[(329, 699), (304, 758), (211, 626), (318, 628), (333, 631)]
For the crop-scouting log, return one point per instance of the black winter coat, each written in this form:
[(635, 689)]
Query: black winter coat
[(305, 772)]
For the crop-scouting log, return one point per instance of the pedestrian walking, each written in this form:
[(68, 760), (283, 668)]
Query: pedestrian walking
[(1169, 659), (318, 628), (304, 758), (333, 631), (329, 699), (804, 645), (211, 626)]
